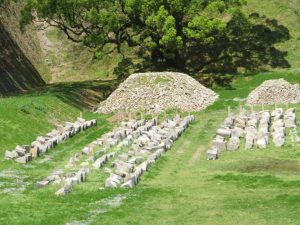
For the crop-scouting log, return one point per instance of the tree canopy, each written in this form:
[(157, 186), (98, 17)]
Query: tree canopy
[(205, 38)]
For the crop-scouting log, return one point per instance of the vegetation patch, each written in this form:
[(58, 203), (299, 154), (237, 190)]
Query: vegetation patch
[(257, 181)]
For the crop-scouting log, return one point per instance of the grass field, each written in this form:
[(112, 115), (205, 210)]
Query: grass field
[(243, 187)]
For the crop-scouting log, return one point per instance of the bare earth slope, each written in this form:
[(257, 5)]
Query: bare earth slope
[(16, 71)]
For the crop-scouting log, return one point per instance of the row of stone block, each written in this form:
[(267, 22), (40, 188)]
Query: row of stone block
[(255, 127), (25, 153)]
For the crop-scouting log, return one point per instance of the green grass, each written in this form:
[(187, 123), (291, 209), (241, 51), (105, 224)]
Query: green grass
[(243, 187), (287, 13), (144, 80)]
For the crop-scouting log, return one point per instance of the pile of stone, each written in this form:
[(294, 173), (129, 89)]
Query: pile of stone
[(273, 92), (123, 135), (55, 177), (238, 130), (278, 127), (157, 92), (25, 153), (72, 179), (251, 130), (256, 128), (66, 181), (220, 141), (145, 150), (262, 135), (98, 156)]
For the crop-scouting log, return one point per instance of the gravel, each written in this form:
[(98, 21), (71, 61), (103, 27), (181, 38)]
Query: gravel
[(157, 92), (273, 92)]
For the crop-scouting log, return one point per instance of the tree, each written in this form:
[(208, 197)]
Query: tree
[(198, 37)]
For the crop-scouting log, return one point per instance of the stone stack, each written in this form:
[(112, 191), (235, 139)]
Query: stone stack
[(238, 131), (219, 143), (121, 137), (128, 167), (147, 141), (278, 128), (263, 129), (97, 157), (256, 129), (55, 177), (25, 153), (69, 181), (251, 130)]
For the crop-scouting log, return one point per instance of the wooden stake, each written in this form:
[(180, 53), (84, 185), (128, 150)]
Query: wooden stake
[(229, 110)]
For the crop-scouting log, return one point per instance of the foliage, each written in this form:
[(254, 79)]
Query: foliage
[(194, 36)]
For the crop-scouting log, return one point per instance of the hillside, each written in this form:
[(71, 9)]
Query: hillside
[(27, 41), (59, 60), (287, 13), (22, 66), (243, 187), (16, 71), (74, 62)]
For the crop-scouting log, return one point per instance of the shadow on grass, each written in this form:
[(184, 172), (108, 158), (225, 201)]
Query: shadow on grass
[(81, 95), (257, 181)]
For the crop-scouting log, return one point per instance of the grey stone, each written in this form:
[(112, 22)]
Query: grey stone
[(128, 184), (233, 144), (100, 162), (237, 132), (220, 145), (22, 159), (42, 183), (64, 190), (111, 183), (86, 150), (212, 154), (224, 132), (20, 150), (107, 171), (239, 122), (11, 154), (261, 143)]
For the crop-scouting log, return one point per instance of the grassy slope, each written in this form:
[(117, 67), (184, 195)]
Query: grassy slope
[(287, 12), (75, 63), (243, 187)]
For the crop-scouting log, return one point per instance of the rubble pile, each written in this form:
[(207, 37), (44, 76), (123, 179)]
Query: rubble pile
[(157, 92), (272, 92)]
